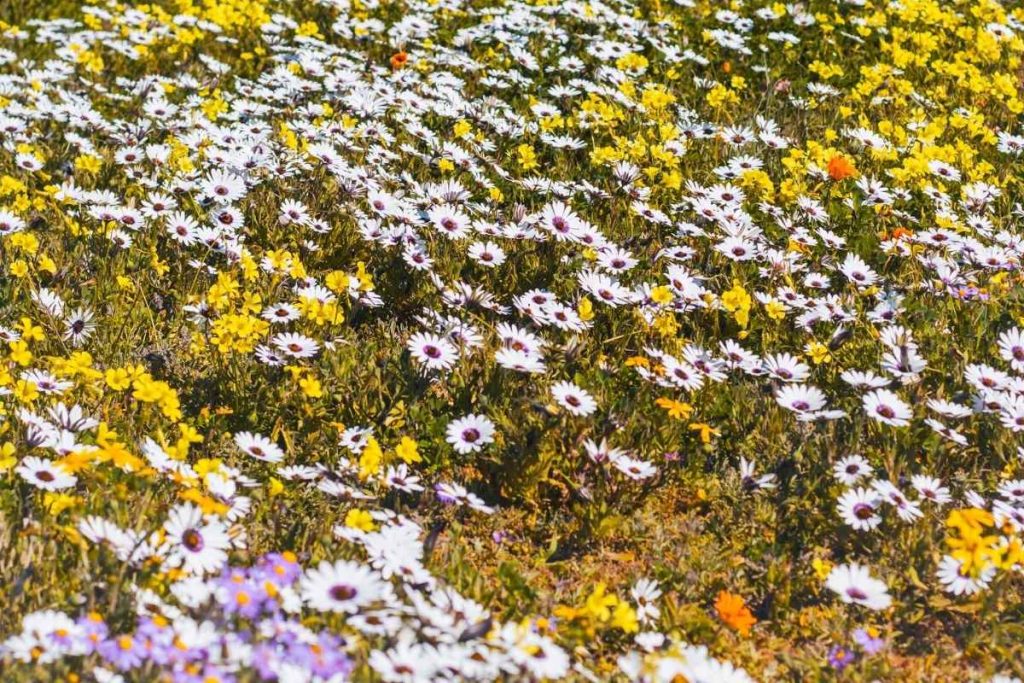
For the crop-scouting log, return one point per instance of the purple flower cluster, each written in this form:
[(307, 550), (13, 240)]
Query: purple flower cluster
[(242, 619), (841, 656)]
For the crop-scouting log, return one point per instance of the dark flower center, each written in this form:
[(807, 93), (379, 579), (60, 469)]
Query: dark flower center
[(342, 592), (192, 540), (863, 511)]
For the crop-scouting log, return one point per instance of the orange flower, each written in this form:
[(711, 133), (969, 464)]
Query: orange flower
[(734, 613), (840, 168), (399, 59)]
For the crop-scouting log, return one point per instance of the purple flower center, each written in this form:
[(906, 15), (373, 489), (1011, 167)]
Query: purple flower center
[(192, 540), (342, 592)]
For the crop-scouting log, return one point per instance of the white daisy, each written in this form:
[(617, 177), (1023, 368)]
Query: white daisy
[(575, 400), (859, 508), (854, 585), (194, 543), (259, 447), (341, 587), (296, 345), (432, 351), (470, 433), (45, 474), (886, 407)]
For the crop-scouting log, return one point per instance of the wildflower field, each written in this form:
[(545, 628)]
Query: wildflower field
[(511, 340)]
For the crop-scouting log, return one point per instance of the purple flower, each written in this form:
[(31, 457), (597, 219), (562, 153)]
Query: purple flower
[(94, 631), (443, 495), (208, 673), (239, 595), (871, 645), (280, 568), (840, 657), (329, 658), (264, 657), (156, 641), (122, 652)]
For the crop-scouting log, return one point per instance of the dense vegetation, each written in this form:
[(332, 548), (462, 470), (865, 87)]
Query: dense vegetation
[(426, 340)]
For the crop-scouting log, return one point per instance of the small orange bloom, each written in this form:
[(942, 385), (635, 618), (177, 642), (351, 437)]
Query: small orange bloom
[(399, 59), (840, 168), (734, 613)]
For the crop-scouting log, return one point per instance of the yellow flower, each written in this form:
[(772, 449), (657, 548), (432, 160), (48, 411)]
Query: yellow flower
[(47, 264), (704, 430), (159, 266), (822, 568), (676, 409), (737, 301), (117, 379), (370, 459), (624, 617), (666, 324), (148, 390), (308, 28), (359, 519), (208, 505), (56, 503), (599, 603), (7, 459), (77, 461), (720, 97), (30, 332), (19, 268), (661, 295), (88, 163), (776, 310), (205, 466), (526, 158), (25, 391), (408, 451), (656, 98), (365, 279), (818, 352), (736, 298), (311, 387), (115, 452), (189, 434), (336, 281), (274, 487), (19, 352), (585, 309)]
